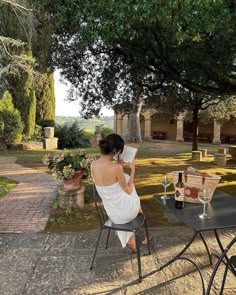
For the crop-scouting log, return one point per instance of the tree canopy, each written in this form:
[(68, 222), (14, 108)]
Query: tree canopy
[(190, 42)]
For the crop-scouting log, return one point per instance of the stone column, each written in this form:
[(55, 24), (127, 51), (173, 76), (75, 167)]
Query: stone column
[(115, 122), (216, 136), (180, 128), (125, 131), (147, 114), (50, 142), (119, 120), (147, 128)]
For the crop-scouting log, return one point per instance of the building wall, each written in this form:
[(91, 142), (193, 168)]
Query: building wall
[(206, 128), (229, 128), (164, 125)]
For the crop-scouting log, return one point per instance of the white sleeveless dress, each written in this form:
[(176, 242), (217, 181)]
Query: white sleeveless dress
[(120, 206)]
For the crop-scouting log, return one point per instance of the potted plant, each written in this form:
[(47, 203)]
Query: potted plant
[(69, 167)]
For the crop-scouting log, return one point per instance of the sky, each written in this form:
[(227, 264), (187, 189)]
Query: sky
[(67, 108)]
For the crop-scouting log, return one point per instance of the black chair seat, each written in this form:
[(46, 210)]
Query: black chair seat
[(133, 225)]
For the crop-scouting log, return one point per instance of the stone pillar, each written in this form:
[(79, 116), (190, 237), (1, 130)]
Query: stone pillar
[(119, 124), (49, 132), (115, 122), (72, 199), (220, 159), (50, 142), (97, 136), (216, 136), (180, 128), (222, 151), (196, 156), (204, 152), (147, 128), (125, 131)]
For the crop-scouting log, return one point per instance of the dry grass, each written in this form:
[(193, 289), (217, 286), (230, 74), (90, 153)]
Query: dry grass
[(153, 160)]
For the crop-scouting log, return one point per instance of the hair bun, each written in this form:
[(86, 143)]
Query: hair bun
[(105, 146)]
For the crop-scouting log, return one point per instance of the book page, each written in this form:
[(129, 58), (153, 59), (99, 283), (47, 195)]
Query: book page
[(128, 154)]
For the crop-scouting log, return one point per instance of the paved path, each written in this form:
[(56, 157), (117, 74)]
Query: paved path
[(58, 264), (26, 208)]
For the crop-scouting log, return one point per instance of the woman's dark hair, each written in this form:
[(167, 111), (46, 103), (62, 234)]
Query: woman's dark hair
[(113, 142)]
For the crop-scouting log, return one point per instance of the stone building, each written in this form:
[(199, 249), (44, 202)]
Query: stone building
[(154, 126)]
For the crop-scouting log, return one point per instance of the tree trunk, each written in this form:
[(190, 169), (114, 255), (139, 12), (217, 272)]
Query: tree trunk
[(134, 127), (195, 129)]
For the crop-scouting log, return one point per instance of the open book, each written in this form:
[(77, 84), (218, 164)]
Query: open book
[(128, 154)]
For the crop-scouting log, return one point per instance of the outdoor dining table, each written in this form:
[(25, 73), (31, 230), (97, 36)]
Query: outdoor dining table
[(222, 211)]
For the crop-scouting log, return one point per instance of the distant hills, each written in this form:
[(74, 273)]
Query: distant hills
[(88, 124)]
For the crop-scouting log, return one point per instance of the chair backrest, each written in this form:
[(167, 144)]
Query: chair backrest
[(101, 212)]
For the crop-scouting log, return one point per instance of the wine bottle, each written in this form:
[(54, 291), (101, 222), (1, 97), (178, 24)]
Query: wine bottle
[(179, 193)]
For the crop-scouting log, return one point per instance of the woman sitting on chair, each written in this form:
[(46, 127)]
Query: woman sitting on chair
[(116, 188)]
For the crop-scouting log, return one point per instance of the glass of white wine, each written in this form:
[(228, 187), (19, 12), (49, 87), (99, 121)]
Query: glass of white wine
[(166, 181), (204, 196)]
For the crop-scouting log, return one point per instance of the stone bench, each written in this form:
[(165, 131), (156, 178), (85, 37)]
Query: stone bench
[(204, 152), (196, 155), (222, 151), (220, 159), (232, 152)]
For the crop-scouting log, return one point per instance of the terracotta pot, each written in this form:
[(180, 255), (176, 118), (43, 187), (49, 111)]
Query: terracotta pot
[(74, 182)]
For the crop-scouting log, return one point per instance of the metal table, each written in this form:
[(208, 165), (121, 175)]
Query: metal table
[(222, 210)]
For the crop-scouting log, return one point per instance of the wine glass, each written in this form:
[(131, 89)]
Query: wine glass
[(204, 196), (166, 181)]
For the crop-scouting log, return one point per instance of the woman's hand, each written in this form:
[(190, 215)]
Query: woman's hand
[(132, 165)]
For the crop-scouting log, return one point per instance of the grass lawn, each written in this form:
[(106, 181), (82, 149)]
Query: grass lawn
[(6, 185), (153, 160)]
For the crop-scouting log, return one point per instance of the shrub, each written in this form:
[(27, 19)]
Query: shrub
[(71, 136), (106, 131), (11, 126), (64, 164), (37, 136)]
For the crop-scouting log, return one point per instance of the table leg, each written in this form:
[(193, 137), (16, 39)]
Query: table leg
[(205, 244), (198, 269), (177, 257), (180, 253), (222, 250)]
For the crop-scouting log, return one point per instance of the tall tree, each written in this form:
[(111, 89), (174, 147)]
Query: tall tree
[(190, 42), (186, 42), (42, 51), (16, 23)]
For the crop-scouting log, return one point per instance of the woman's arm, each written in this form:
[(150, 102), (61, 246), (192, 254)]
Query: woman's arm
[(127, 187)]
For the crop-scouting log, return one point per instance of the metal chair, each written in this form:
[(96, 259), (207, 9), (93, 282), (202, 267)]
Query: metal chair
[(229, 264), (133, 226)]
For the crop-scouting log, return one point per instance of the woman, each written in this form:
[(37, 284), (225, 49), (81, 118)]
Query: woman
[(116, 188)]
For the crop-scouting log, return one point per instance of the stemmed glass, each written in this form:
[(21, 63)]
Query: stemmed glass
[(204, 196), (166, 181)]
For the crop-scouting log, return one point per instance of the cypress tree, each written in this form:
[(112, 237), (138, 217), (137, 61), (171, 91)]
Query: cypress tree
[(44, 87), (25, 100)]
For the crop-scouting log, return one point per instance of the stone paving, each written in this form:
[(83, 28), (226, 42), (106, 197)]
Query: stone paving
[(26, 208), (37, 263), (58, 264)]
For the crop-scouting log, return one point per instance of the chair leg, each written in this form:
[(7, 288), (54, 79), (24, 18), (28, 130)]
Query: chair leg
[(224, 278), (108, 235), (138, 256), (95, 251), (147, 234)]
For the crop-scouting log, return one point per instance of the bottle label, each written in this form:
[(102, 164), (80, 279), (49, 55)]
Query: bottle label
[(179, 193)]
